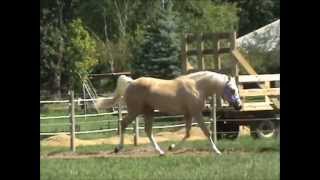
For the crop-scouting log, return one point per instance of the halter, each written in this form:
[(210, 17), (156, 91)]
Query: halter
[(226, 91)]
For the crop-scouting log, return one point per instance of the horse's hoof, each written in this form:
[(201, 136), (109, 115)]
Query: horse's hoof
[(171, 147), (117, 149), (162, 154)]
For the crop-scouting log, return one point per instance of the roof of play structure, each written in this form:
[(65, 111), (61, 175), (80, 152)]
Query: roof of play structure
[(266, 37)]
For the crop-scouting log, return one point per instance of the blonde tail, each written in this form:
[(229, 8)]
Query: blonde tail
[(122, 84)]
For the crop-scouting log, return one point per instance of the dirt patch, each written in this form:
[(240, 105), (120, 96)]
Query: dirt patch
[(63, 140), (138, 152), (244, 131), (127, 153)]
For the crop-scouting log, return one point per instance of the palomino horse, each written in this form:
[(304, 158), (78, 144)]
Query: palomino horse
[(183, 95)]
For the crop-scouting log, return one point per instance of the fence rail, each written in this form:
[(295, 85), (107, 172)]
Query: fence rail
[(67, 101), (141, 128), (79, 116)]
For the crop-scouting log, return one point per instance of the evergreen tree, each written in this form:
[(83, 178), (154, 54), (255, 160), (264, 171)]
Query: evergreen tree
[(158, 54)]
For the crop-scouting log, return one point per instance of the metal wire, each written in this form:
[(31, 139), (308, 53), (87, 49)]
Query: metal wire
[(129, 128)]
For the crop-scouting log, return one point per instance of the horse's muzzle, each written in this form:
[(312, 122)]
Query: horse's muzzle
[(237, 107)]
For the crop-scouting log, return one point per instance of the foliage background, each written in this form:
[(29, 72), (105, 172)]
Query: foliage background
[(101, 36)]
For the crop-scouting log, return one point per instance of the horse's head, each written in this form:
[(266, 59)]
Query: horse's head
[(231, 93)]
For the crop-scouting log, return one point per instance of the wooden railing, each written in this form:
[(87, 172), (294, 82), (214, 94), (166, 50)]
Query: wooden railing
[(266, 97)]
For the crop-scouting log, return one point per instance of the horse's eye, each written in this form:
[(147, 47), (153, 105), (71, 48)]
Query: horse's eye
[(233, 91)]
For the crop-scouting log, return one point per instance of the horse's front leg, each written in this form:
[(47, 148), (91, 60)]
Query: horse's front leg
[(148, 129), (187, 135), (206, 133)]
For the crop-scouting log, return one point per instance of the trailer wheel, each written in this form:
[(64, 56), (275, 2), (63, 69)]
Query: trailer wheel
[(235, 132), (264, 129)]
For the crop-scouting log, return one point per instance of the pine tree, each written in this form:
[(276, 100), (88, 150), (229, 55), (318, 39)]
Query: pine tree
[(158, 54)]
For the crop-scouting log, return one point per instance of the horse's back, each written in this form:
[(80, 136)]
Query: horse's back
[(170, 87), (145, 87)]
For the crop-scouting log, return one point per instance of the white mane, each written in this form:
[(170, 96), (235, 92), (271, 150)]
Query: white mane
[(199, 75)]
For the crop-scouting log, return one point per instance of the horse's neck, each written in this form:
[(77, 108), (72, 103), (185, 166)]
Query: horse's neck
[(210, 83)]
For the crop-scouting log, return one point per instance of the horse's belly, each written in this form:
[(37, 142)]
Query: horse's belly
[(171, 111), (168, 106)]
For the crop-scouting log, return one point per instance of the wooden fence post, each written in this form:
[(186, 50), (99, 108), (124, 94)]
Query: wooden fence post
[(214, 118), (233, 40), (136, 131), (72, 121), (119, 119)]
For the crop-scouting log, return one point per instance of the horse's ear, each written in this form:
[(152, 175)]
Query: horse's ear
[(229, 79), (233, 77)]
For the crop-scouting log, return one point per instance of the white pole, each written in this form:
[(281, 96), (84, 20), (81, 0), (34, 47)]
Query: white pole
[(84, 102), (214, 118), (120, 118), (72, 121), (136, 132)]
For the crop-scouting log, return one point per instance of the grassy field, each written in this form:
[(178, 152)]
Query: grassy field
[(244, 158)]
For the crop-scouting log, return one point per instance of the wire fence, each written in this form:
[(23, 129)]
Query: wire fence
[(113, 124), (142, 127), (164, 125)]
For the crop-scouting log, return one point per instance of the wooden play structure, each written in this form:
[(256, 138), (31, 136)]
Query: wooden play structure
[(263, 81), (259, 93)]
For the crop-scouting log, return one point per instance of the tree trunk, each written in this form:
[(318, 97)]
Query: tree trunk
[(107, 40), (56, 84), (56, 81)]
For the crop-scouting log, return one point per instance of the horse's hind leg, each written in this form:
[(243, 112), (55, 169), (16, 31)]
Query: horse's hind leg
[(148, 129), (206, 133), (124, 123), (187, 135)]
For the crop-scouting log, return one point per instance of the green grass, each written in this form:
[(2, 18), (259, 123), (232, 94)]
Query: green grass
[(84, 124), (244, 158), (89, 123), (255, 99), (247, 166)]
